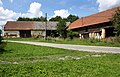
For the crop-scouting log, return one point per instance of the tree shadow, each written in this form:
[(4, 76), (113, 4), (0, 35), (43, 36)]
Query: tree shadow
[(2, 51)]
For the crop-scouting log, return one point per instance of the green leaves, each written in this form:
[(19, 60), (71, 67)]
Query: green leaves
[(71, 18), (116, 21), (31, 19), (61, 28)]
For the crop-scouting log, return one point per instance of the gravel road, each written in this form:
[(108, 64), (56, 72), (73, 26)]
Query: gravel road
[(75, 47)]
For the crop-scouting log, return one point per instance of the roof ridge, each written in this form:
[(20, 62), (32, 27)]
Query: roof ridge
[(101, 12)]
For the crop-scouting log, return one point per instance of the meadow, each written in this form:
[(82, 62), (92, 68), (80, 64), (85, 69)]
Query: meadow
[(21, 60)]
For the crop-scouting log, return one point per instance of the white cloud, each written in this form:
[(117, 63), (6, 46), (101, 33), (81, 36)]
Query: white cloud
[(63, 13), (104, 5), (9, 15), (34, 10), (1, 2)]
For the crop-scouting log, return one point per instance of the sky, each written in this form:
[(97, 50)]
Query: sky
[(10, 10)]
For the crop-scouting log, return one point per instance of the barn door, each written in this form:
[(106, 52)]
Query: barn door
[(25, 33)]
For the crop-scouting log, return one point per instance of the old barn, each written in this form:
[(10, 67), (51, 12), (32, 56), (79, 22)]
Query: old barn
[(28, 28), (95, 26)]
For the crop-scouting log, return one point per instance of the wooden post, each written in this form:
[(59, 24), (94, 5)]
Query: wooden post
[(46, 27), (103, 33)]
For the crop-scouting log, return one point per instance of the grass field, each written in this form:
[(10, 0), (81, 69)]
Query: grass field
[(21, 60), (75, 41)]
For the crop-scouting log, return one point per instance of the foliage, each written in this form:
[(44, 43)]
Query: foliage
[(116, 21), (61, 28), (23, 60), (31, 19), (1, 36), (54, 34), (72, 34), (76, 34), (72, 18), (2, 44), (57, 18)]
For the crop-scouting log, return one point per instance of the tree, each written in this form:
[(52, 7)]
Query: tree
[(31, 19), (72, 18), (61, 29), (57, 18), (0, 36), (2, 44), (115, 20)]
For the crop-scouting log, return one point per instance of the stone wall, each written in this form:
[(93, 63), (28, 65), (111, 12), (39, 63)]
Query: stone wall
[(38, 33), (11, 34)]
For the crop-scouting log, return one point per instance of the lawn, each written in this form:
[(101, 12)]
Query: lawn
[(21, 60), (75, 41)]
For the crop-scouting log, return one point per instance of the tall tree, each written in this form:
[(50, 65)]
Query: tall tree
[(61, 28), (31, 19), (57, 18), (116, 21), (71, 18), (2, 45)]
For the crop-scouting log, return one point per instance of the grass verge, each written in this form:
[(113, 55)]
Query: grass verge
[(75, 41)]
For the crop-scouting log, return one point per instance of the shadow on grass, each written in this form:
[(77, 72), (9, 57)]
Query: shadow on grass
[(5, 51)]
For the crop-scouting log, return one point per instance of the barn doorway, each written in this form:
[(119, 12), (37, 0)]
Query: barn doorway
[(25, 33)]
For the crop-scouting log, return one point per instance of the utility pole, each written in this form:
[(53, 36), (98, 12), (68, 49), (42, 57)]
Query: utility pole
[(46, 26)]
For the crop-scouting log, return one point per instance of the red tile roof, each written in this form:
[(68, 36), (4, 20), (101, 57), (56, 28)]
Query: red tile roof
[(97, 18)]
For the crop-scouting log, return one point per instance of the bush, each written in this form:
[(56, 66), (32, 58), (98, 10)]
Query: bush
[(75, 34), (71, 34), (2, 44)]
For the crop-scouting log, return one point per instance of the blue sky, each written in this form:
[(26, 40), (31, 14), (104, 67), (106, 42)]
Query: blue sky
[(12, 9)]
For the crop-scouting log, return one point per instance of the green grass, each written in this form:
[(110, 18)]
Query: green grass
[(21, 60), (75, 41)]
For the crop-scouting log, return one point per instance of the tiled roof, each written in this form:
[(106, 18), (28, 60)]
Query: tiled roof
[(29, 25), (19, 25), (97, 18)]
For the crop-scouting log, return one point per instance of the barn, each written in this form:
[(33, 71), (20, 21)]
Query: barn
[(24, 29), (95, 26)]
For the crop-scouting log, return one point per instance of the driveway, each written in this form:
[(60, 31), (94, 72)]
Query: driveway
[(75, 47)]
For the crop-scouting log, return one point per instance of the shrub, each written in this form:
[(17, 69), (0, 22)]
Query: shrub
[(2, 44), (75, 34), (71, 34)]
